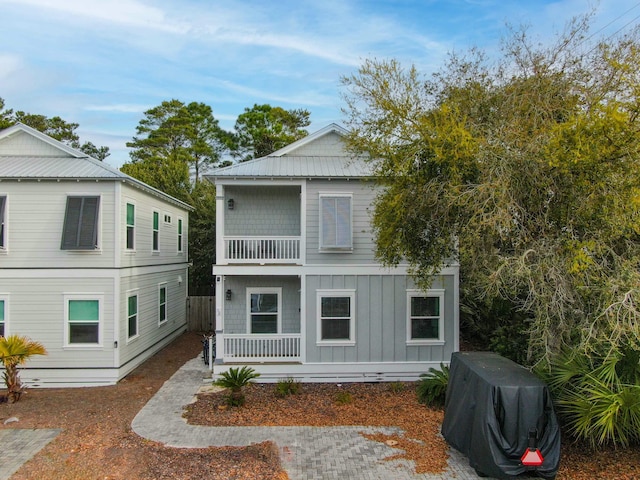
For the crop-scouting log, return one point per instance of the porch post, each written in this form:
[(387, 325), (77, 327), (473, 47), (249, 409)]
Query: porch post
[(219, 318)]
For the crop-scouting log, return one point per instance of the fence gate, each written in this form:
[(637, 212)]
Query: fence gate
[(201, 314)]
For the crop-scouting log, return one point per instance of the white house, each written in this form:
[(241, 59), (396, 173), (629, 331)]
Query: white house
[(299, 292), (93, 263)]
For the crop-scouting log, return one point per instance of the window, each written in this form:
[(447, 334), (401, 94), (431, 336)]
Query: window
[(83, 320), (167, 218), (132, 316), (3, 230), (336, 318), (156, 231), (264, 311), (3, 316), (335, 222), (131, 226), (162, 304), (179, 235), (425, 322), (80, 230)]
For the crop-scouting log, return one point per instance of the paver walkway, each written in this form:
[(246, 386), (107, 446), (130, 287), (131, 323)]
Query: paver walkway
[(308, 453), (19, 445)]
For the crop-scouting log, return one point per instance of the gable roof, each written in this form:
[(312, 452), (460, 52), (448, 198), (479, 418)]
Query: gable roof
[(70, 164), (284, 163)]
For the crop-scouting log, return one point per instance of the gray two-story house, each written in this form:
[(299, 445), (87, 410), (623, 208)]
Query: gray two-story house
[(298, 291)]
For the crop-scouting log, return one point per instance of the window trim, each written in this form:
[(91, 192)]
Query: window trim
[(335, 248), (180, 235), (4, 222), (4, 297), (437, 293), (131, 294), (155, 232), (166, 218), (127, 226), (99, 297), (325, 293), (261, 291), (98, 224), (161, 286)]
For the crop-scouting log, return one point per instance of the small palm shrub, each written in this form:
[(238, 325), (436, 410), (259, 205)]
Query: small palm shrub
[(288, 386), (15, 350), (432, 386), (235, 379), (598, 396)]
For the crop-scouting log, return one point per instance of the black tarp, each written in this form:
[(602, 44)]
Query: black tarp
[(491, 406)]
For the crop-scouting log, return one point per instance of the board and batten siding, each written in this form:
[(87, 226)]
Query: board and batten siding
[(235, 313), (262, 211), (145, 204), (150, 332), (35, 213), (380, 322), (363, 242), (37, 310)]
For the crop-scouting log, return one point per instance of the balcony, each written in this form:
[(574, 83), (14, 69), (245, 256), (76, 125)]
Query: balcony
[(262, 250), (260, 348)]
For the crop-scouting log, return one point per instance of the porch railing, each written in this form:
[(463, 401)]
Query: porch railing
[(262, 249), (261, 348)]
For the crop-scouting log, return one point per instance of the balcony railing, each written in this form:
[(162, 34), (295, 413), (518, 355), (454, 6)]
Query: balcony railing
[(262, 249), (261, 348)]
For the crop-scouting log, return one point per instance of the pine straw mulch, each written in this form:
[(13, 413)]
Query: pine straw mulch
[(324, 405), (97, 442), (381, 405)]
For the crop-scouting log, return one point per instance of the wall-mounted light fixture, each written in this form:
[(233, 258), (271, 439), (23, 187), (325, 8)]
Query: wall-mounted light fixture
[(227, 295), (179, 279), (231, 204)]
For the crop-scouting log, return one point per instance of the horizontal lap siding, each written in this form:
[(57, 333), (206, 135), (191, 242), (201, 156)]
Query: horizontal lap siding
[(363, 244), (235, 313), (149, 331), (381, 320), (36, 309), (35, 213)]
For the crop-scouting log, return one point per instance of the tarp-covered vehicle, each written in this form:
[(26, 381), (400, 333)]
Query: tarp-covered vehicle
[(501, 417)]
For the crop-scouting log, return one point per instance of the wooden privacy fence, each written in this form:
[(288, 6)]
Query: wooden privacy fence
[(201, 314)]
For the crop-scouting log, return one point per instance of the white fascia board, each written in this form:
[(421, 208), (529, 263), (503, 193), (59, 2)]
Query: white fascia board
[(340, 269)]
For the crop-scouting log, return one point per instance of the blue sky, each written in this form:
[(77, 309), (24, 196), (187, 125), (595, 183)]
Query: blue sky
[(102, 63)]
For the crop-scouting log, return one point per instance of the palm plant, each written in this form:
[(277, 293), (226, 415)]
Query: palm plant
[(235, 379), (599, 396), (15, 350), (432, 386)]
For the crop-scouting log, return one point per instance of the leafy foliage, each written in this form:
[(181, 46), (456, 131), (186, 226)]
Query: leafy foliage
[(235, 379), (15, 350), (288, 386), (525, 170), (263, 129), (432, 386), (598, 395), (55, 127), (344, 398)]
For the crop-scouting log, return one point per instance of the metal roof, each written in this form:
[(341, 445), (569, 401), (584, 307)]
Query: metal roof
[(55, 167), (298, 167)]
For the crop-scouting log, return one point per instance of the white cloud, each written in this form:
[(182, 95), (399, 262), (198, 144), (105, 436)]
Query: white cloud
[(122, 107), (9, 64)]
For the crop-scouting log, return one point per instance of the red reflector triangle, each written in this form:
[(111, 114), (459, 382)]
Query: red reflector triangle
[(532, 458)]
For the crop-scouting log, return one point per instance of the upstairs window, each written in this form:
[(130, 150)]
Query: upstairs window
[(179, 235), (335, 222), (131, 226), (156, 232), (80, 231), (3, 241)]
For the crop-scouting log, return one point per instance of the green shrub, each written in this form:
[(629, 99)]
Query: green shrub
[(397, 387), (235, 379), (432, 386), (344, 398), (288, 386), (598, 396)]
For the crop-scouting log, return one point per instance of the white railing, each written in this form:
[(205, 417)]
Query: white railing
[(261, 348), (262, 249)]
